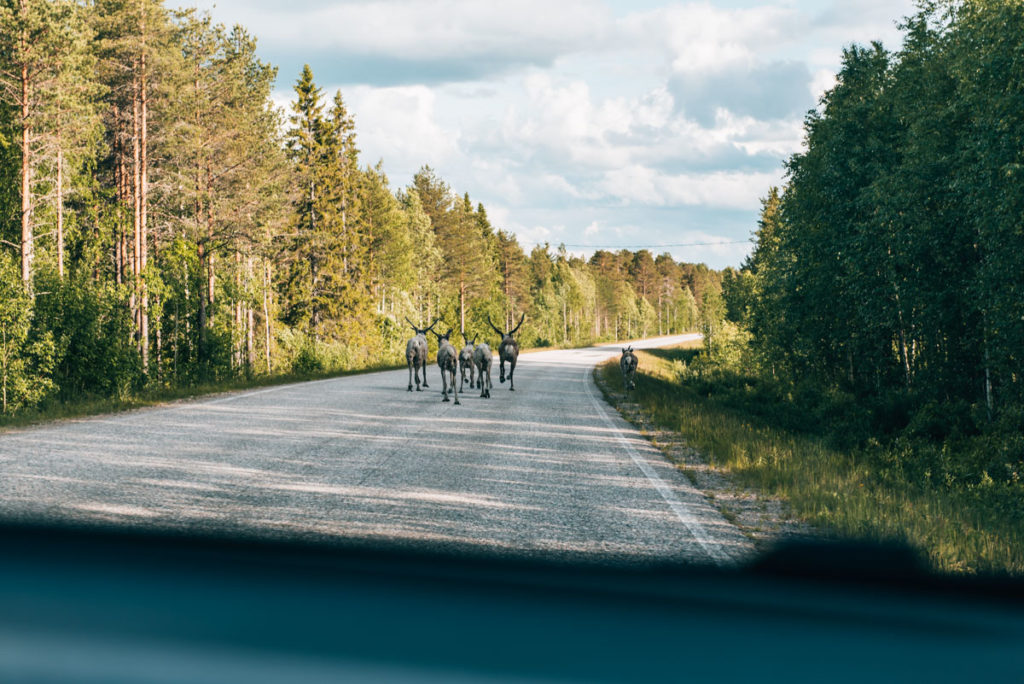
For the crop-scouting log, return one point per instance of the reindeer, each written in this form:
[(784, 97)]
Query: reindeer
[(482, 359), (447, 361), (416, 354), (628, 365), (508, 350), (466, 362)]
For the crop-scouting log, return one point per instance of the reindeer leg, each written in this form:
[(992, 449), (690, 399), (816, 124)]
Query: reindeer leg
[(410, 375), (501, 370), (454, 391), (444, 386), (511, 370)]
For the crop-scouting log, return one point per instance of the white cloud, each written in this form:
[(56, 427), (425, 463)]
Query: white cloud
[(711, 248), (399, 125), (705, 39), (824, 80), (571, 122), (720, 189), (558, 183), (525, 30), (535, 235)]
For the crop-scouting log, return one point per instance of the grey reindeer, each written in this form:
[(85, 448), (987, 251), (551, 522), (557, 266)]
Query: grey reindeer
[(466, 362), (482, 359), (628, 365), (448, 362), (508, 350), (416, 354)]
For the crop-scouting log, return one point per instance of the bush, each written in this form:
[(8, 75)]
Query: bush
[(727, 350), (26, 351), (93, 349)]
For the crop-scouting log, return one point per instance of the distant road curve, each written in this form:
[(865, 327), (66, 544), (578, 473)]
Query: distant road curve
[(550, 469)]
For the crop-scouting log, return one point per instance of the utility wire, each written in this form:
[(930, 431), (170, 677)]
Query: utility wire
[(677, 244)]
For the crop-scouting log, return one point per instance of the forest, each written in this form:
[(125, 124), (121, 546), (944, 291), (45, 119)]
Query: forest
[(885, 293), (164, 225)]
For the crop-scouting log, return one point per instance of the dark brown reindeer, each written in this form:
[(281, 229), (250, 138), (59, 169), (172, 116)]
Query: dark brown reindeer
[(448, 362), (416, 353), (628, 365), (508, 350)]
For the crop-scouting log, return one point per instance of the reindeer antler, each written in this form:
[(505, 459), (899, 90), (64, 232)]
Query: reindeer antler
[(516, 329), (430, 328), (492, 326), (413, 324)]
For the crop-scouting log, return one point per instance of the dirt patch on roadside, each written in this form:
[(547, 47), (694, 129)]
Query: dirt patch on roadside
[(765, 520)]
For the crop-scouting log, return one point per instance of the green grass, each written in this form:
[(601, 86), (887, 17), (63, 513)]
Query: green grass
[(861, 493)]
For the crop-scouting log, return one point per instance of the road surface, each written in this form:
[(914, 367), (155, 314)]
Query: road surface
[(549, 469)]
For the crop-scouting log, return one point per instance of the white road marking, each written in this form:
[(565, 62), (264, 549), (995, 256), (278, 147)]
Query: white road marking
[(685, 516)]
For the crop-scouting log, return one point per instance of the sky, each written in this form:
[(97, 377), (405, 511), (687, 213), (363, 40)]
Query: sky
[(593, 123)]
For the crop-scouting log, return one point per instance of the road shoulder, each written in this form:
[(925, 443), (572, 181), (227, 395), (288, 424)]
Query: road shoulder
[(763, 519)]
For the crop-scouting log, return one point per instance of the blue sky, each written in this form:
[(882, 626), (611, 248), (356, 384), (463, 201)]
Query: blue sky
[(588, 122)]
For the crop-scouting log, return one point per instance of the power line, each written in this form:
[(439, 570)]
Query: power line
[(676, 244)]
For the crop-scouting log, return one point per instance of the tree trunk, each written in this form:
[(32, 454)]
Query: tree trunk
[(159, 341), (120, 258), (565, 323), (266, 315), (211, 275), (176, 344), (661, 329), (203, 314), (143, 202), (250, 343), (60, 208), (26, 170), (137, 214), (239, 332), (462, 305)]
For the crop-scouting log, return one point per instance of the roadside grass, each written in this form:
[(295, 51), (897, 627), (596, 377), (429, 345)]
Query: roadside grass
[(858, 493)]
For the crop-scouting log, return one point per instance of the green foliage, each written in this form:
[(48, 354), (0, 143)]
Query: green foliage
[(712, 313), (958, 503), (26, 355), (91, 330), (886, 283), (727, 349), (738, 294)]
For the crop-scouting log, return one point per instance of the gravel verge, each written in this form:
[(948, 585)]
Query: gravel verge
[(764, 519)]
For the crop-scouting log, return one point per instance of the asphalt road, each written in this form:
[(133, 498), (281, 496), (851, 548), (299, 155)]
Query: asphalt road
[(549, 469)]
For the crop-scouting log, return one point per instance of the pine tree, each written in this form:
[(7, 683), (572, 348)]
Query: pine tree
[(135, 47), (306, 141), (515, 285), (42, 53)]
